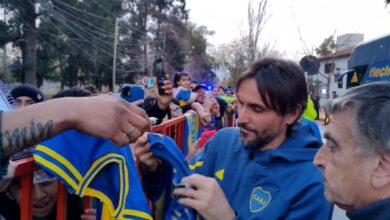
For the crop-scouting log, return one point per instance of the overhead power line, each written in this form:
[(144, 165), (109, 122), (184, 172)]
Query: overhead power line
[(84, 12), (84, 34), (82, 20)]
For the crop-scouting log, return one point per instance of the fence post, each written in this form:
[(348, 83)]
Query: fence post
[(26, 197)]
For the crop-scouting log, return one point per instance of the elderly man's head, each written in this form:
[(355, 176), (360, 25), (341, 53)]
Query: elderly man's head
[(355, 158)]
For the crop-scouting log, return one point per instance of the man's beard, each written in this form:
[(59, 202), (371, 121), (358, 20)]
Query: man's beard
[(258, 142)]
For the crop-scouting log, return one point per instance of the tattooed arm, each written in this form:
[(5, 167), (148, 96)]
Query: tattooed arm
[(103, 116)]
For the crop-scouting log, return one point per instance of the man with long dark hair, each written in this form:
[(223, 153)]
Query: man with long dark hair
[(262, 169)]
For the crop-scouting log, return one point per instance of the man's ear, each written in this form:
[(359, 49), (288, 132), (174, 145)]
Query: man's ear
[(381, 176), (291, 117)]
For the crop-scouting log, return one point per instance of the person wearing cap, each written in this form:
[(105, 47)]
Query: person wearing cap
[(185, 98), (218, 111), (355, 158), (211, 105), (44, 198), (201, 93), (25, 95), (229, 92)]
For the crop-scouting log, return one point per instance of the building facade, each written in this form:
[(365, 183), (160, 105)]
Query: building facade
[(333, 65)]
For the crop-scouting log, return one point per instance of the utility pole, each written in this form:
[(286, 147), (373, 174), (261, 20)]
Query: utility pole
[(145, 37), (165, 63), (114, 56), (5, 70), (164, 42)]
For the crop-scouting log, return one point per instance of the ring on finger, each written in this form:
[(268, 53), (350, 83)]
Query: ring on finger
[(130, 131)]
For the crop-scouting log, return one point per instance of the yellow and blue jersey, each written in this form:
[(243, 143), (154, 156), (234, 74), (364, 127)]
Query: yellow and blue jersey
[(175, 168), (192, 131), (184, 96), (91, 166)]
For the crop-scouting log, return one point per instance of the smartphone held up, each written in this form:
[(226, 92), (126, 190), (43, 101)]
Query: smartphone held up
[(159, 73)]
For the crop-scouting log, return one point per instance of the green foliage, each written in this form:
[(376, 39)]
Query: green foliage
[(8, 33), (72, 41), (201, 64), (18, 28), (327, 47)]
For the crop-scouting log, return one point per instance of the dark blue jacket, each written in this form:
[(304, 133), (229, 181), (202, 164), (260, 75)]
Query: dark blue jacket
[(379, 210), (273, 184)]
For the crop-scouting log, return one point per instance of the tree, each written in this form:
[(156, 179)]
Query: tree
[(22, 26), (232, 56), (237, 55), (156, 28), (200, 65), (256, 22), (70, 34), (74, 39), (81, 35), (327, 47)]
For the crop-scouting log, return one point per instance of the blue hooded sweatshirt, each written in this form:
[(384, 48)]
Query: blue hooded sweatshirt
[(273, 184)]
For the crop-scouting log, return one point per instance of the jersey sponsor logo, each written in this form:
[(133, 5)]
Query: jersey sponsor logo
[(260, 199)]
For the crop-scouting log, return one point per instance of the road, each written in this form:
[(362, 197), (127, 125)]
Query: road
[(338, 214)]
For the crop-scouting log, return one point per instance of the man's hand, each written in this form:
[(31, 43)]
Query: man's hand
[(165, 99), (144, 156), (215, 110), (206, 197), (110, 117), (205, 118), (102, 116)]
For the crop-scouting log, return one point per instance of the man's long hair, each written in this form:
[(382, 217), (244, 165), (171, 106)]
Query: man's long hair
[(280, 83)]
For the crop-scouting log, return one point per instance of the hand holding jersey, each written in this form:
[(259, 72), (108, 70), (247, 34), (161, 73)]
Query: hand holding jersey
[(149, 163), (202, 197)]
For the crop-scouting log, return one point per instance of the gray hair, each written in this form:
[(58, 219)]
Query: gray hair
[(371, 114)]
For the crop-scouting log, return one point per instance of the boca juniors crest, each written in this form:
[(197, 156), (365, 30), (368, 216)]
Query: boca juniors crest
[(259, 199)]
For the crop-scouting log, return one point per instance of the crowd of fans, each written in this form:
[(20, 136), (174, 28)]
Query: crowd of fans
[(261, 169), (210, 109)]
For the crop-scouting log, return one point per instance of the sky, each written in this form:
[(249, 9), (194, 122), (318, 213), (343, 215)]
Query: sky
[(293, 24)]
